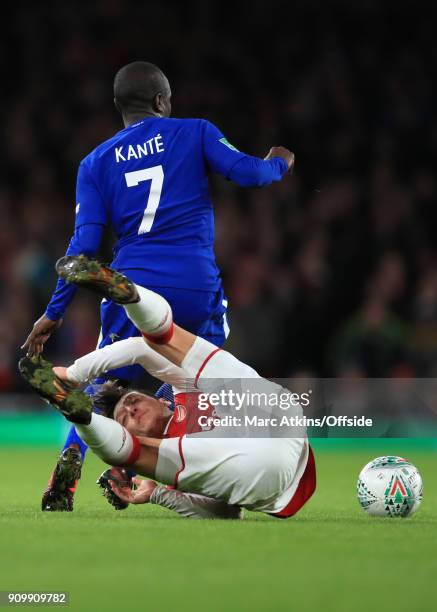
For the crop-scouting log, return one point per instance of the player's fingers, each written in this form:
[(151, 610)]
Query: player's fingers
[(32, 342), (30, 350), (35, 348), (137, 481), (127, 497), (116, 489), (27, 342)]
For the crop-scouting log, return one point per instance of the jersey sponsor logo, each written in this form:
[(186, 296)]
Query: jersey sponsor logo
[(228, 144), (137, 151)]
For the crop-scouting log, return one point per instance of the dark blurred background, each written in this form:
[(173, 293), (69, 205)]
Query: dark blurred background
[(332, 271)]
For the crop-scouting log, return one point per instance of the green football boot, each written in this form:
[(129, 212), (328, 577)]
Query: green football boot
[(59, 494), (73, 403), (93, 275)]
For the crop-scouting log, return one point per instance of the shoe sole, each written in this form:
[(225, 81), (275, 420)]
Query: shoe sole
[(93, 275), (57, 502), (73, 403)]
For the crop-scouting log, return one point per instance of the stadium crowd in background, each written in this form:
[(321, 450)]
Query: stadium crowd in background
[(336, 267)]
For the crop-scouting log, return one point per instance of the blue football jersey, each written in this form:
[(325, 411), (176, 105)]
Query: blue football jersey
[(149, 182)]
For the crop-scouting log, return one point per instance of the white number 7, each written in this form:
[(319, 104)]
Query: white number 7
[(156, 175)]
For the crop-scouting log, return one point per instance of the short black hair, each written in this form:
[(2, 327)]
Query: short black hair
[(136, 85), (109, 394)]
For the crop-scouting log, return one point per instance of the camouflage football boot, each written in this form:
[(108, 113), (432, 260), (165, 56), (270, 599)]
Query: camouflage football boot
[(59, 495), (73, 403), (93, 275), (121, 478)]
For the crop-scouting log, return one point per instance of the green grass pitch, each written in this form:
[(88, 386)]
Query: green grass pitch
[(331, 556)]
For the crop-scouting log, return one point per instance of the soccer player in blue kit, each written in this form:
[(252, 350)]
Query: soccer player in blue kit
[(149, 183)]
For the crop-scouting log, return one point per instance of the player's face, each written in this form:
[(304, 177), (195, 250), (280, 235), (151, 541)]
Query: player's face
[(142, 415)]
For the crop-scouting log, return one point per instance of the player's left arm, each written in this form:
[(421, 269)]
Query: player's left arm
[(126, 352), (245, 170), (188, 505)]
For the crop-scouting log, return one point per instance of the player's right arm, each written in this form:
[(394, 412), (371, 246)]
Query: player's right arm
[(91, 218), (245, 170), (126, 352)]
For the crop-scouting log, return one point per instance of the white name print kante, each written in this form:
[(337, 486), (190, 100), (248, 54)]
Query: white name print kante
[(137, 151)]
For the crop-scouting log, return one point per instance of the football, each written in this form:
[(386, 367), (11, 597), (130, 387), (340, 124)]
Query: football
[(389, 486)]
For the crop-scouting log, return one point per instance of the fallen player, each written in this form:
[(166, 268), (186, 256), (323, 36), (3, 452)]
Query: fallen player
[(212, 476)]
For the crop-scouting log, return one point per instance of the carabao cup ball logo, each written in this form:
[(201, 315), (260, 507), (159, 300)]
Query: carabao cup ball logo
[(389, 486), (399, 498)]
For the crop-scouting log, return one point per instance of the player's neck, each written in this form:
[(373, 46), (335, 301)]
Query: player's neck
[(135, 117)]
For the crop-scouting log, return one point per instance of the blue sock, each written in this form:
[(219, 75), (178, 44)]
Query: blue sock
[(166, 392), (73, 438)]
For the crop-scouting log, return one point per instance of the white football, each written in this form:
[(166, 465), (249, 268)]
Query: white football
[(389, 486)]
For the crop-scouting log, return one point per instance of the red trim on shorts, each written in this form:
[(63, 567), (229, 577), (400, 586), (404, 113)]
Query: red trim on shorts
[(181, 454), (135, 453), (162, 338), (305, 489), (204, 364)]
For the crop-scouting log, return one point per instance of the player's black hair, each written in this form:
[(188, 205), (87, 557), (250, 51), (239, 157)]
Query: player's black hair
[(136, 85), (110, 393)]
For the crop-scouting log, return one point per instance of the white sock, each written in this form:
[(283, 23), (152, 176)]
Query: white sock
[(152, 315), (110, 440)]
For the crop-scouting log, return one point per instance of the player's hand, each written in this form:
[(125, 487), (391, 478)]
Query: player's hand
[(286, 155), (41, 332), (140, 495), (62, 374)]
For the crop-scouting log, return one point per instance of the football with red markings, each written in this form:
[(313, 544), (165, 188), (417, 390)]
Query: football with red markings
[(390, 486)]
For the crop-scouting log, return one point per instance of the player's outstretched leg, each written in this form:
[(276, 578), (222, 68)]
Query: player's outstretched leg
[(107, 438), (91, 274)]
